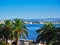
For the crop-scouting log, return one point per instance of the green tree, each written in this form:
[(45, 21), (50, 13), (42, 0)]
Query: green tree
[(19, 29), (46, 33), (1, 32), (56, 40), (7, 29)]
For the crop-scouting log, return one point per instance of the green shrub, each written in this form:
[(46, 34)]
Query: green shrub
[(2, 42)]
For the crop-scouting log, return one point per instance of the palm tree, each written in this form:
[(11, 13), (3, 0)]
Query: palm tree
[(46, 33), (19, 29), (56, 40), (1, 32), (7, 29)]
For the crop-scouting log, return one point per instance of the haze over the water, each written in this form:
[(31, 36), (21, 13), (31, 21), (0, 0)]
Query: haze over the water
[(10, 9)]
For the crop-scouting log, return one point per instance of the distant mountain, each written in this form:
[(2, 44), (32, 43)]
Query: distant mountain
[(46, 19), (52, 19)]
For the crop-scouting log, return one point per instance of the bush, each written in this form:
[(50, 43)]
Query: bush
[(56, 43), (2, 42)]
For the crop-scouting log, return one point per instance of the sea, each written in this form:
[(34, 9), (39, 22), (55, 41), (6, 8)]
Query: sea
[(32, 35)]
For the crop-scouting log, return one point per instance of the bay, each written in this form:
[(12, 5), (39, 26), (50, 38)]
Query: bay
[(32, 30)]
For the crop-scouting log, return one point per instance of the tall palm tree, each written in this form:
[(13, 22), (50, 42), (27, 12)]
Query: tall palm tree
[(56, 40), (7, 29), (46, 33), (1, 32), (19, 29)]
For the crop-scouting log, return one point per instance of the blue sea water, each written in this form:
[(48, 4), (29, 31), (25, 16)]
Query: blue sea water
[(32, 30)]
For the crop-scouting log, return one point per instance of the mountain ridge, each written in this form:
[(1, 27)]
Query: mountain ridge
[(45, 19)]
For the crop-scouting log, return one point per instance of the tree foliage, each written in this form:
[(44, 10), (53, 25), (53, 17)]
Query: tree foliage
[(13, 29), (48, 33)]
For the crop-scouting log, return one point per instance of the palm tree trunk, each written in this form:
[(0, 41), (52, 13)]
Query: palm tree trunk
[(6, 42), (17, 39), (47, 43), (43, 43)]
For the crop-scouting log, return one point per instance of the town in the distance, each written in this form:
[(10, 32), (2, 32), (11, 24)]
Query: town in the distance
[(39, 21)]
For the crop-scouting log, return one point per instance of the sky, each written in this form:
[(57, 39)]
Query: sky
[(29, 9)]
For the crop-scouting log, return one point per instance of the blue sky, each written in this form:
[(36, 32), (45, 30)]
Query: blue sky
[(10, 9)]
